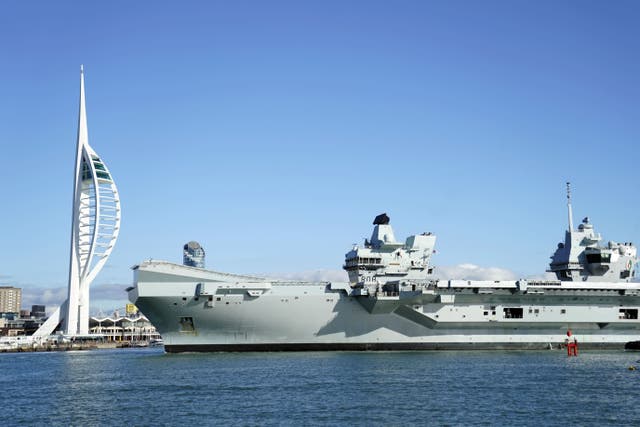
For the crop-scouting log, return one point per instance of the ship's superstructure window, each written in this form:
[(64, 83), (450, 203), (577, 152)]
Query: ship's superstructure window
[(513, 313), (628, 313)]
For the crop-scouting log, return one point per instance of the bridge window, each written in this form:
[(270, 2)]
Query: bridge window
[(513, 313), (628, 313), (598, 258), (369, 260)]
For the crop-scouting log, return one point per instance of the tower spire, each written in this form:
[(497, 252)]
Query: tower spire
[(94, 230), (570, 212), (83, 137)]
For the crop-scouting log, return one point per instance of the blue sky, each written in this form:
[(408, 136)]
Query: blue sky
[(274, 132)]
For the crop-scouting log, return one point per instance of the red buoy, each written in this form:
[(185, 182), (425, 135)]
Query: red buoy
[(572, 344)]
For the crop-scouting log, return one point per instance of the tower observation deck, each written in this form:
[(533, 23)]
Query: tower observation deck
[(95, 227)]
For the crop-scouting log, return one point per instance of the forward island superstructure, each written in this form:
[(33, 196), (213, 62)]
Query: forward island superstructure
[(393, 302)]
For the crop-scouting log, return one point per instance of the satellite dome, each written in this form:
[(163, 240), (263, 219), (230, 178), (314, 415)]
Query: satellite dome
[(193, 254)]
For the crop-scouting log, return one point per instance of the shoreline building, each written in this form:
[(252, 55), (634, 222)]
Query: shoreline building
[(10, 299), (95, 227), (133, 327), (38, 311)]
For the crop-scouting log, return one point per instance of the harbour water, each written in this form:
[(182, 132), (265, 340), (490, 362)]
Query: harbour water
[(147, 387)]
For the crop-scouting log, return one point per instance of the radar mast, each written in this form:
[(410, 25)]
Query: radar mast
[(570, 212)]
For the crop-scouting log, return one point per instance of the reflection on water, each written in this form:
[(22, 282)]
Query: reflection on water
[(147, 387)]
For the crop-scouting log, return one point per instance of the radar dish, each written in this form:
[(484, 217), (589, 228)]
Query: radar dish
[(381, 219), (193, 245)]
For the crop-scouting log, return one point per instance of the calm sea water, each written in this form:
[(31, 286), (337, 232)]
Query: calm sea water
[(147, 387)]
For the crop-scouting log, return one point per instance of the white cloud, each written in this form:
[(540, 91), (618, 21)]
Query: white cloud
[(464, 271), (51, 297), (109, 292), (108, 295), (461, 271), (313, 276), (544, 276), (473, 272)]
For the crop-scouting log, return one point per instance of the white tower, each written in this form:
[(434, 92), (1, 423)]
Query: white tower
[(94, 230)]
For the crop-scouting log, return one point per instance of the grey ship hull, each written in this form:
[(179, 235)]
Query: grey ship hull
[(200, 310)]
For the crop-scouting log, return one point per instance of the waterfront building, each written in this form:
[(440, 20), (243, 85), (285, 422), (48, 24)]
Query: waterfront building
[(14, 326), (193, 255), (134, 328), (20, 323), (10, 299), (38, 311), (95, 227)]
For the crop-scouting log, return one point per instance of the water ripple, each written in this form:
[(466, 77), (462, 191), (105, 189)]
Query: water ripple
[(145, 387)]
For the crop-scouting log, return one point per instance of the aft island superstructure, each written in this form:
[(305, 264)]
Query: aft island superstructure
[(393, 302)]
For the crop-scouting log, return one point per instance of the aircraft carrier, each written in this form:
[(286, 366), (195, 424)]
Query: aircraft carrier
[(393, 302)]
